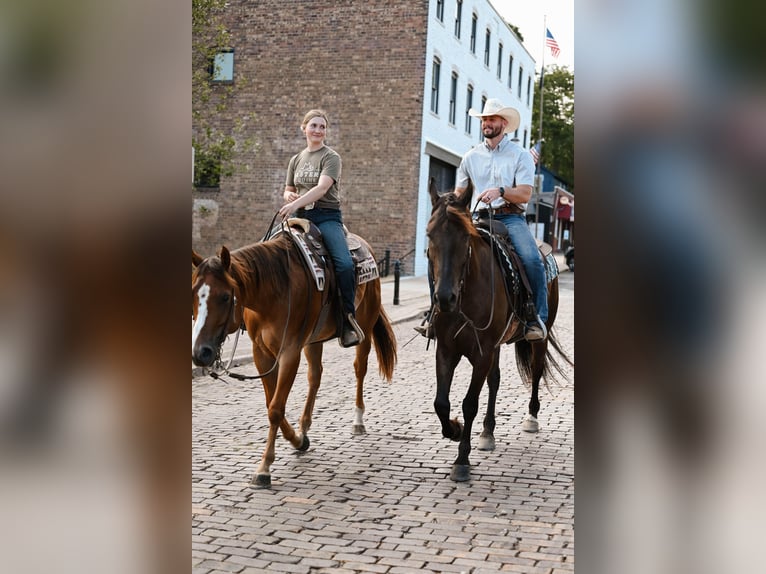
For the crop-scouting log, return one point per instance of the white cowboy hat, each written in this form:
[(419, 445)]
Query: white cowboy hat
[(493, 107)]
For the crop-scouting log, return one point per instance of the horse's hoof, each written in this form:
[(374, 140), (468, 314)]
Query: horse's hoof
[(486, 441), (261, 481), (305, 443), (460, 472), (358, 429), (530, 424)]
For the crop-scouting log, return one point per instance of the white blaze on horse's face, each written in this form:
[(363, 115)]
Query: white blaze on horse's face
[(202, 297)]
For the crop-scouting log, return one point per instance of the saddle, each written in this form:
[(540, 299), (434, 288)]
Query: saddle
[(308, 238), (495, 234)]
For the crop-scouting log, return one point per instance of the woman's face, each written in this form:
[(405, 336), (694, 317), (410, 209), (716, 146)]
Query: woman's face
[(315, 130)]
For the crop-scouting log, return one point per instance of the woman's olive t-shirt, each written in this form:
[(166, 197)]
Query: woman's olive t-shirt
[(306, 167)]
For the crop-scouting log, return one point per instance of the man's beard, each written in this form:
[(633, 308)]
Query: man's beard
[(492, 132)]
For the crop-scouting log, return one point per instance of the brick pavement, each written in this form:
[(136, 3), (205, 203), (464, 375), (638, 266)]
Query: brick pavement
[(383, 502)]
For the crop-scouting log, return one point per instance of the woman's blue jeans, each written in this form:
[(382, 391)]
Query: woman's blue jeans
[(330, 223), (526, 247)]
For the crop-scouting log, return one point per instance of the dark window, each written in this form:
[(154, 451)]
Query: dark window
[(473, 33), (468, 105), (440, 10), (453, 99), (435, 86), (510, 72), (458, 17), (499, 60), (487, 40)]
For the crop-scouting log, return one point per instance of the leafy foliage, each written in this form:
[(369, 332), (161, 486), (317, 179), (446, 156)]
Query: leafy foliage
[(558, 121), (214, 148)]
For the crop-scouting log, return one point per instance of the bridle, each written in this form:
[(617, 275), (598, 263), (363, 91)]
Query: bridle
[(467, 321), (225, 370)]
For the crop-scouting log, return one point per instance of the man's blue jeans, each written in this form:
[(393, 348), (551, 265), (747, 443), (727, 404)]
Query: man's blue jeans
[(526, 247), (330, 223)]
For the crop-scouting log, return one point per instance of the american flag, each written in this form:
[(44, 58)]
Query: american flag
[(550, 41), (535, 151)]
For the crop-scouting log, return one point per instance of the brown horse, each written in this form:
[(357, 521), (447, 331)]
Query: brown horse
[(473, 315), (268, 286)]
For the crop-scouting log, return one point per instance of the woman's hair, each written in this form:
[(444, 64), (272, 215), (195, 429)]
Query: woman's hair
[(314, 114)]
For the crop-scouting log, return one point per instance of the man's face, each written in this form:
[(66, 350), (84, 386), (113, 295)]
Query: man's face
[(492, 126)]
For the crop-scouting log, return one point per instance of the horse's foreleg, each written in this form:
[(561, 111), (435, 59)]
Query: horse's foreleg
[(360, 369), (264, 361), (313, 354), (445, 371), (288, 367), (461, 469), (487, 437)]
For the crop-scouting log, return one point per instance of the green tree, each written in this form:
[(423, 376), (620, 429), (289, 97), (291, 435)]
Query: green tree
[(214, 146), (558, 121)]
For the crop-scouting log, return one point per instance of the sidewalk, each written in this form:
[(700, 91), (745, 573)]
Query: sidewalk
[(413, 302)]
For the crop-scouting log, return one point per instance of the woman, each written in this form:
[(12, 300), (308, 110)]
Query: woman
[(312, 191)]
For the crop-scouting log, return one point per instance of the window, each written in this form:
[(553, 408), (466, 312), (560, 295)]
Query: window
[(440, 10), (435, 86), (222, 67), (499, 60), (487, 39), (453, 99), (521, 74), (525, 139), (529, 89), (468, 106), (510, 72), (481, 132), (473, 33), (458, 17)]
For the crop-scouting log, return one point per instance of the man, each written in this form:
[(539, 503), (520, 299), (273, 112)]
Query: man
[(502, 173)]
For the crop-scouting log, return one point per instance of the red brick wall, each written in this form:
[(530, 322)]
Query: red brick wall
[(361, 61)]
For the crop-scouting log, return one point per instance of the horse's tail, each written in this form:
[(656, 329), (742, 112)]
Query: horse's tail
[(551, 365), (385, 345)]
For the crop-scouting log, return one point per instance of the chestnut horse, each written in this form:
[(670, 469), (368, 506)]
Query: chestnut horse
[(473, 315), (268, 287)]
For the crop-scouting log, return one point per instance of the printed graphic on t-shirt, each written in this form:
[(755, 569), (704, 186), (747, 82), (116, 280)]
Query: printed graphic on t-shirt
[(307, 175)]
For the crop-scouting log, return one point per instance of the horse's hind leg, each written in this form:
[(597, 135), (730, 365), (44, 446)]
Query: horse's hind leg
[(487, 437), (530, 423), (313, 354), (360, 370)]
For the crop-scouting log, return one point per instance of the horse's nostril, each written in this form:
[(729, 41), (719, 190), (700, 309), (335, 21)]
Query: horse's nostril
[(204, 356)]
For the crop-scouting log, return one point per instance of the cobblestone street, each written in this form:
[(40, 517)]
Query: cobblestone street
[(383, 501)]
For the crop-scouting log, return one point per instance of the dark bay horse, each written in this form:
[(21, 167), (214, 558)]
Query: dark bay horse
[(268, 286), (473, 316)]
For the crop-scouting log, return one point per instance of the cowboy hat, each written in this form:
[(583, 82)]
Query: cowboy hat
[(493, 107)]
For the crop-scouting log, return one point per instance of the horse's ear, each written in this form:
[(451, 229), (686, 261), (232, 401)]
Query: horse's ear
[(433, 192), (225, 257), (196, 258), (464, 200)]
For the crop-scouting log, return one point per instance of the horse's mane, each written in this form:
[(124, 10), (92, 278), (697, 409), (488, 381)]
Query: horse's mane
[(214, 266), (265, 265), (447, 211)]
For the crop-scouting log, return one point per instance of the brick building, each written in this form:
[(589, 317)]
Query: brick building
[(396, 79)]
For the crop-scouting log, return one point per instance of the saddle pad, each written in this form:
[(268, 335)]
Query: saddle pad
[(308, 239)]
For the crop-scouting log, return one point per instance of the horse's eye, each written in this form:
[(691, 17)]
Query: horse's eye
[(225, 297)]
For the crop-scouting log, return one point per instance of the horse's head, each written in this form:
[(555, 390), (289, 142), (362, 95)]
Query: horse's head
[(216, 307), (449, 232)]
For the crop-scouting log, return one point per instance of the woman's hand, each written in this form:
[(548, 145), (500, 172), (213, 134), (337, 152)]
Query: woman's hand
[(286, 210)]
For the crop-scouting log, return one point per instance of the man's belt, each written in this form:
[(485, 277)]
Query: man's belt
[(509, 208)]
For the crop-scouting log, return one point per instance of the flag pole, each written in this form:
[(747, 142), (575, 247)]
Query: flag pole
[(538, 182)]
